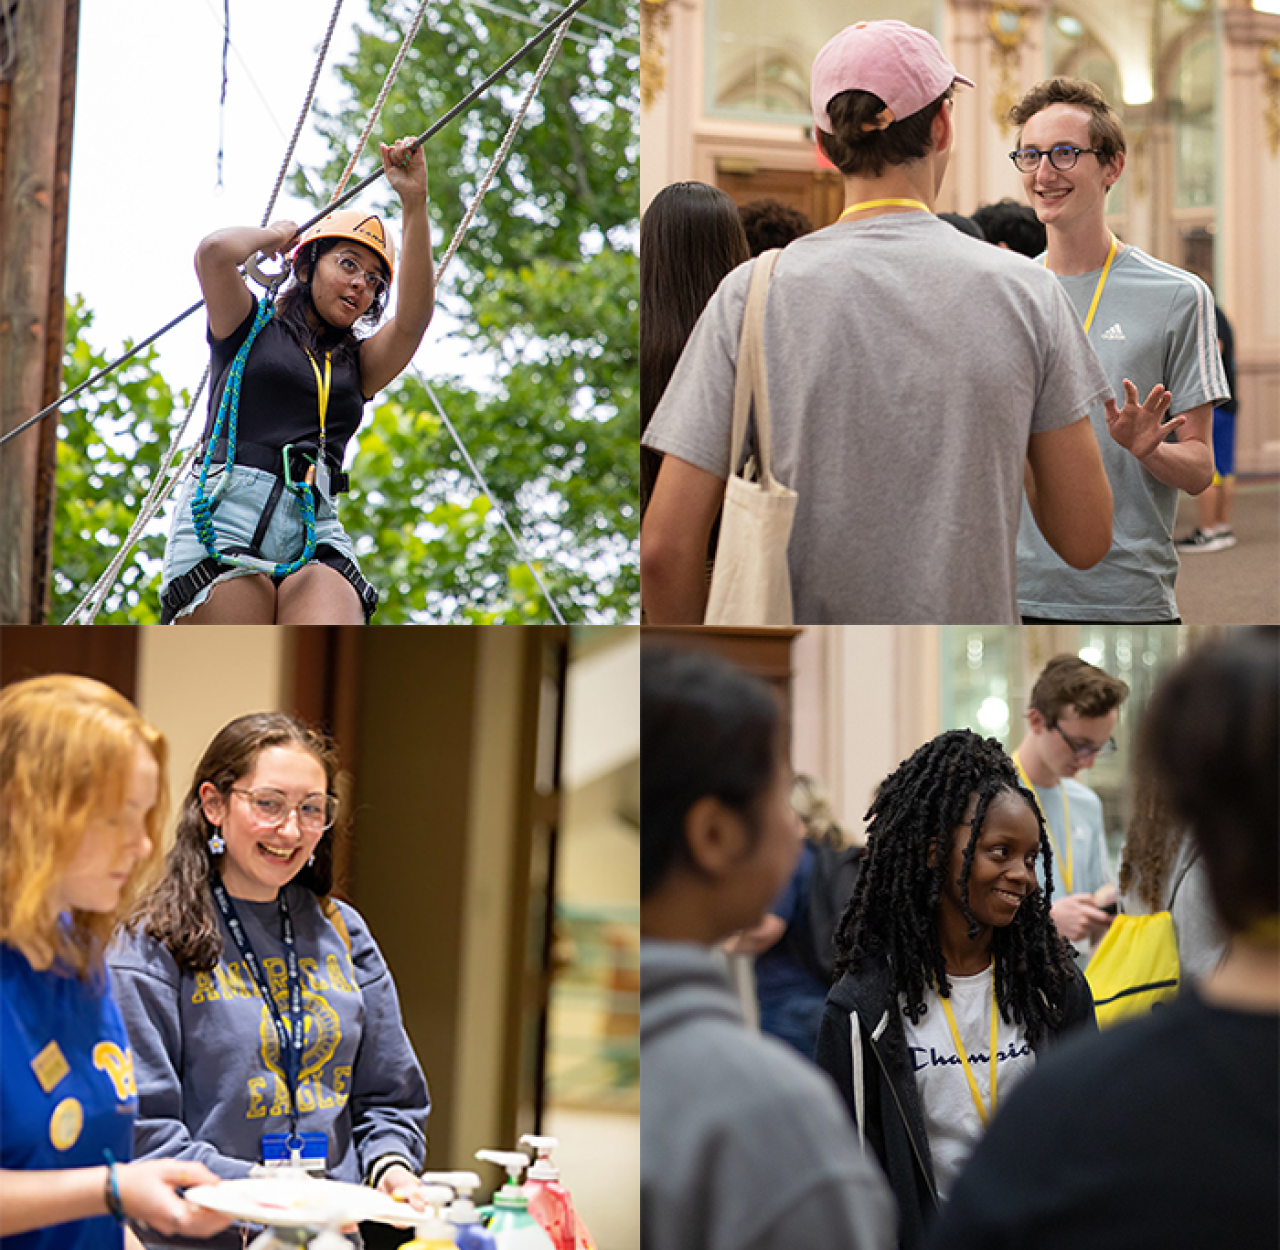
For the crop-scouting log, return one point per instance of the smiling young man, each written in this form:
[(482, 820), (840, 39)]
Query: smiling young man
[(1152, 326), (906, 362), (1071, 716)]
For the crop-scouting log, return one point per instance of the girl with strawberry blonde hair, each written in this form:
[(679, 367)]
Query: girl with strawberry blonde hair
[(82, 807)]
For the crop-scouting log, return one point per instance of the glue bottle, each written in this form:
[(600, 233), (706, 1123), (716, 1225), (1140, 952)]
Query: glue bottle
[(431, 1230), (549, 1200), (512, 1226), (468, 1230)]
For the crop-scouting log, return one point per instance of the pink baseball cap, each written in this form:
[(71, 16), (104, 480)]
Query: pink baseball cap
[(903, 65)]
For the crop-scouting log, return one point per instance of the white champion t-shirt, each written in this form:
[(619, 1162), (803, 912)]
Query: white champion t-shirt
[(950, 1117)]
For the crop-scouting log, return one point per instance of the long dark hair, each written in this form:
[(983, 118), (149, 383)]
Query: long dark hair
[(179, 911), (706, 729), (1210, 738), (893, 912), (295, 299), (690, 237)]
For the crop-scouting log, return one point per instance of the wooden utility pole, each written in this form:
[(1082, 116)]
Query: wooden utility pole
[(37, 105)]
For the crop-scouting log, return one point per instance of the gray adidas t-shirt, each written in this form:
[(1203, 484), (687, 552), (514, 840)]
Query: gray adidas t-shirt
[(1154, 324), (908, 365)]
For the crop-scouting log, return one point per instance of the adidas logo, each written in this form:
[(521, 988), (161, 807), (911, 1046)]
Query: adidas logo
[(1116, 334)]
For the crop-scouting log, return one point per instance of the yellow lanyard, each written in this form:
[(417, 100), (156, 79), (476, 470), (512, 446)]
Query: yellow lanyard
[(1068, 868), (857, 208), (974, 1092), (322, 390), (1097, 291)]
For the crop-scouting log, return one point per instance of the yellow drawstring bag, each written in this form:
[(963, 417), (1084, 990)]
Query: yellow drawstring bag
[(1135, 967)]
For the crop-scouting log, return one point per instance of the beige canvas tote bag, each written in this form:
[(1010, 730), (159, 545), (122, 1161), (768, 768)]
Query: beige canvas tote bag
[(751, 583)]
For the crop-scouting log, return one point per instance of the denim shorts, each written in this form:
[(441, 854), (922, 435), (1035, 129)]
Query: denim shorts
[(235, 519)]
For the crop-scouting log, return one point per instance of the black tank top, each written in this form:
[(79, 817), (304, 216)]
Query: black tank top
[(279, 399)]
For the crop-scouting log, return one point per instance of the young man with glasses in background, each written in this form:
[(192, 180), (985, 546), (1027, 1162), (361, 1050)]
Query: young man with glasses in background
[(1071, 716), (907, 363), (1152, 326)]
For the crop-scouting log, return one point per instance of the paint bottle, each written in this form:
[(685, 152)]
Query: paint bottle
[(549, 1200), (468, 1229), (431, 1230), (512, 1226)]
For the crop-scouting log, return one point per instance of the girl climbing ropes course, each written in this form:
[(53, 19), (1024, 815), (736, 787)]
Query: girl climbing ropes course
[(256, 537)]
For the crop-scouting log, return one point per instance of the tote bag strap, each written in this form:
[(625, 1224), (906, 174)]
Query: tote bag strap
[(751, 380)]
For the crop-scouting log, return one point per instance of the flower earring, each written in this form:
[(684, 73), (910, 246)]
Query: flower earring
[(311, 863), (217, 843)]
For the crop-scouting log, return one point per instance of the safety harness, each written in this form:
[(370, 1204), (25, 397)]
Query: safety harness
[(295, 467)]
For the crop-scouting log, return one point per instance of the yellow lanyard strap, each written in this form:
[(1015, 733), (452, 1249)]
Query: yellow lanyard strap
[(322, 390), (1102, 281), (974, 1092), (1067, 866), (857, 208)]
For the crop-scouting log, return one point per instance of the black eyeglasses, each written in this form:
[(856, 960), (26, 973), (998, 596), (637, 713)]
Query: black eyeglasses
[(1061, 157), (1083, 750)]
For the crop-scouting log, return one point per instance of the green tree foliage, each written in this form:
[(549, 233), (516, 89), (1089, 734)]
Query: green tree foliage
[(110, 444), (545, 288)]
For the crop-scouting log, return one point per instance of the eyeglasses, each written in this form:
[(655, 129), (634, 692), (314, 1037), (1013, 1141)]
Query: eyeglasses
[(350, 268), (1084, 750), (315, 813), (1062, 157)]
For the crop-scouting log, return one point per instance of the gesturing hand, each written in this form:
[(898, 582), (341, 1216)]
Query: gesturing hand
[(1141, 428)]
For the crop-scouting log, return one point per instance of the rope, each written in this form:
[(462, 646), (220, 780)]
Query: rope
[(166, 478), (562, 17), (162, 486), (484, 486), (405, 45), (302, 116), (507, 140)]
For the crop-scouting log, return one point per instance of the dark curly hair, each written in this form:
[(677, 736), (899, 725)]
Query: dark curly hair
[(893, 912)]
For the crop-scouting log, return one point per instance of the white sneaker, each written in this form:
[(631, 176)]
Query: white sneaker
[(1200, 541)]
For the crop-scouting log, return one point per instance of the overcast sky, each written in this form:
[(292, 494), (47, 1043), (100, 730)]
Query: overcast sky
[(144, 187)]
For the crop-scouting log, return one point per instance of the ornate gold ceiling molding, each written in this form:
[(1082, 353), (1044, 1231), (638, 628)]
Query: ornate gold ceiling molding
[(655, 19), (1269, 53), (1008, 27)]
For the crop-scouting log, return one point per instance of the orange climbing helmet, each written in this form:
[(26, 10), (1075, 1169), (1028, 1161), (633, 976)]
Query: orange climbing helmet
[(351, 223)]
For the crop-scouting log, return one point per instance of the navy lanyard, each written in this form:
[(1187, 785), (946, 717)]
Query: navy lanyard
[(291, 1041)]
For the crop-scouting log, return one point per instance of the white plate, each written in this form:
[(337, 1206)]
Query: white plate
[(281, 1202)]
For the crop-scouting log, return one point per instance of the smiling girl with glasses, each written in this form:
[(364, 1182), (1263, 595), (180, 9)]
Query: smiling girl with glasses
[(264, 1021)]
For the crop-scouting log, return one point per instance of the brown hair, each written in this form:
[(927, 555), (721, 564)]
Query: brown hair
[(1105, 131), (1209, 739), (66, 749), (179, 912), (1067, 682), (856, 152)]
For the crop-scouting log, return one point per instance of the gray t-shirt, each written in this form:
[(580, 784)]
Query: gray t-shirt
[(908, 365), (1154, 324)]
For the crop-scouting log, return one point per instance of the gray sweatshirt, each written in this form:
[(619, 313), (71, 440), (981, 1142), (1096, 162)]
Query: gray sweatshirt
[(744, 1145), (207, 1057)]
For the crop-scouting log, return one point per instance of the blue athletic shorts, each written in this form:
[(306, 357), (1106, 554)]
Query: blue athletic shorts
[(1224, 443), (235, 518)]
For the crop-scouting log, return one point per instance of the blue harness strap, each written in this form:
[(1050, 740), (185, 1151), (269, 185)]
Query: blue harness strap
[(202, 504)]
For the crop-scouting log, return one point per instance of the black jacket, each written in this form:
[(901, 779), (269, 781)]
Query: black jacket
[(865, 1005)]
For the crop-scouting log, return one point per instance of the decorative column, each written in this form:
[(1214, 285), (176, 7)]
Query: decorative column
[(1248, 252)]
